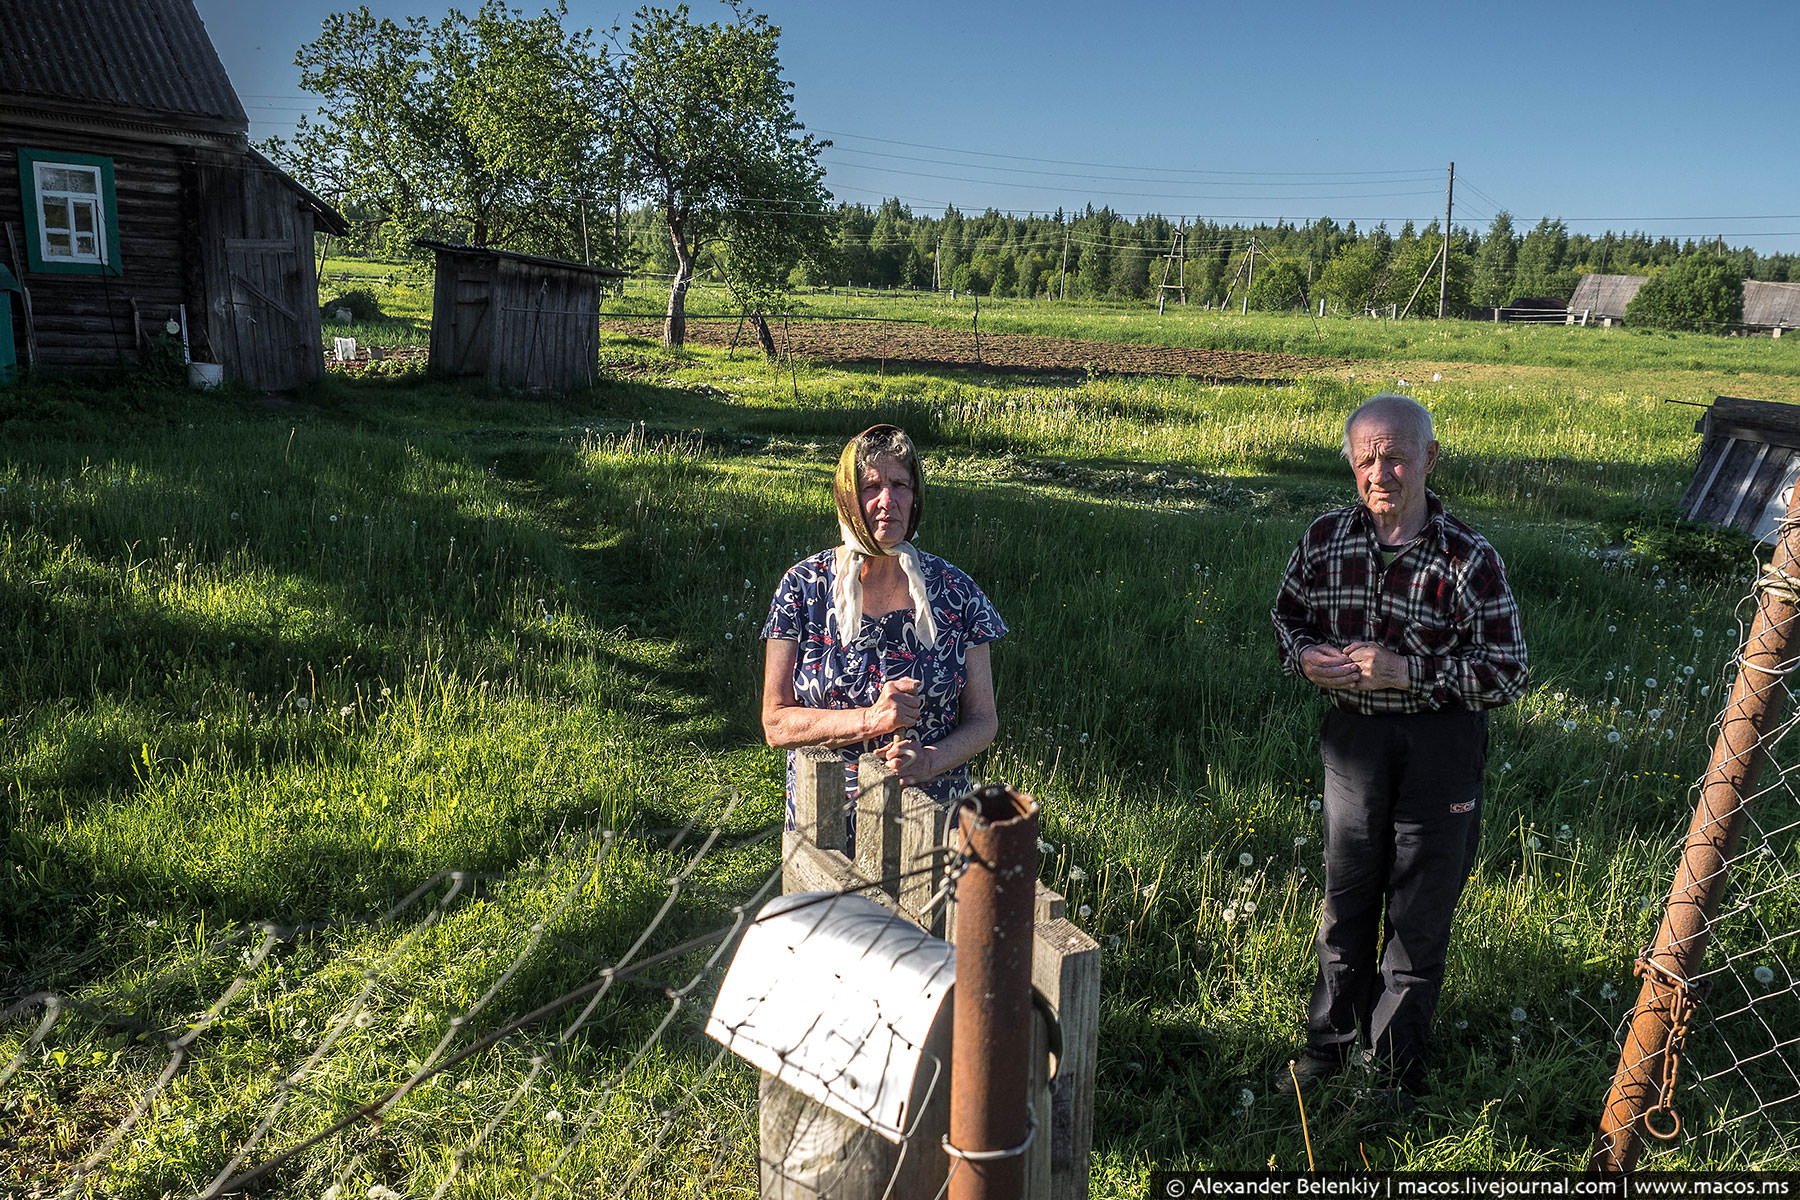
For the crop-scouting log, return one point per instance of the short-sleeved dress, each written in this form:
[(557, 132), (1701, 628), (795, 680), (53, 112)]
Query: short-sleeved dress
[(828, 673)]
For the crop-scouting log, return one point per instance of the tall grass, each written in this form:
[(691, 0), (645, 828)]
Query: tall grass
[(286, 666)]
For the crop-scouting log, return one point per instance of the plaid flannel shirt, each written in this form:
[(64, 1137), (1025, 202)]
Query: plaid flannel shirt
[(1442, 603)]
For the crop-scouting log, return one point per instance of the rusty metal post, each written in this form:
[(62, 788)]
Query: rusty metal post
[(1638, 1101), (991, 1055)]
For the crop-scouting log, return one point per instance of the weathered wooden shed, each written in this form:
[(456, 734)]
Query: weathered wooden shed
[(515, 319), (1604, 297), (1749, 459), (130, 198), (1771, 306)]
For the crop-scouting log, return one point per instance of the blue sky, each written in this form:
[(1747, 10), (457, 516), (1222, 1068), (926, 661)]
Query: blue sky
[(1672, 119)]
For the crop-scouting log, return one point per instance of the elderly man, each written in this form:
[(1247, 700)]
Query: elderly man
[(1402, 616)]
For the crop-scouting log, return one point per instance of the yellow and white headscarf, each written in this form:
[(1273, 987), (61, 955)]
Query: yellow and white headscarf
[(877, 441)]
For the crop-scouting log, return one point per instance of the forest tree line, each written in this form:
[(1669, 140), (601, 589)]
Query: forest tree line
[(1098, 254)]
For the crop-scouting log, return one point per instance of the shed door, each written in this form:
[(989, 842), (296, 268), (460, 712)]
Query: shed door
[(473, 324), (272, 339)]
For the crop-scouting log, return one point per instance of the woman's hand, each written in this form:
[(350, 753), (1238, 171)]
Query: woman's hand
[(896, 708), (911, 761)]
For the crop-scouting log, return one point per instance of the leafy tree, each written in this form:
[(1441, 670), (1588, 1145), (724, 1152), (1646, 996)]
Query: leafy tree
[(1352, 280), (482, 127), (1541, 269), (1495, 263), (1280, 286), (1701, 291), (710, 140)]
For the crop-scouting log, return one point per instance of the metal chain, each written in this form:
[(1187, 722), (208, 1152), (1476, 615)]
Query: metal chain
[(1681, 1010)]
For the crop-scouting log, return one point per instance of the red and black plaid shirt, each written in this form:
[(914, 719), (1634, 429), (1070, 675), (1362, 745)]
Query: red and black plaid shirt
[(1442, 603)]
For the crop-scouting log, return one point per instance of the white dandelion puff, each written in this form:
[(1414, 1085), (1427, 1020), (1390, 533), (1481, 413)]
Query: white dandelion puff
[(1764, 975), (1518, 1015), (1246, 859)]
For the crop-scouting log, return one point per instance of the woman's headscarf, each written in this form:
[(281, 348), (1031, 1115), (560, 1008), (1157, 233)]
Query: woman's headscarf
[(875, 442)]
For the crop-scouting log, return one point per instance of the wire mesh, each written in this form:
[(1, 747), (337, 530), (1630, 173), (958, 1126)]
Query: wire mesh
[(1734, 1100)]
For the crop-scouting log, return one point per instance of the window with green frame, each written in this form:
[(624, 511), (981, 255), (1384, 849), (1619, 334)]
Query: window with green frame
[(71, 212)]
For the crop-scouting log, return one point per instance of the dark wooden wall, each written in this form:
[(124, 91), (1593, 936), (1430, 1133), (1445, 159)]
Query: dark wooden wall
[(97, 321), (201, 226)]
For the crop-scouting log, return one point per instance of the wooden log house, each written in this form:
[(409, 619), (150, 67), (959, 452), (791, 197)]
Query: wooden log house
[(130, 199)]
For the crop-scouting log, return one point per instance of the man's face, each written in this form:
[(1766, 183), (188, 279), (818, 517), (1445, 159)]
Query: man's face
[(1390, 467)]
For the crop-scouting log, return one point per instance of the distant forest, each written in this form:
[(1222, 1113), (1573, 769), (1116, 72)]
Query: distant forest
[(1099, 255)]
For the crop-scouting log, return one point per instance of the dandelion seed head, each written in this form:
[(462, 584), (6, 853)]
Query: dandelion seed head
[(1764, 975), (1518, 1015), (1246, 859)]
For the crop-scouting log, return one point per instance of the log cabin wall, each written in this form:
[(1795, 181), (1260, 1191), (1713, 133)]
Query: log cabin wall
[(91, 322)]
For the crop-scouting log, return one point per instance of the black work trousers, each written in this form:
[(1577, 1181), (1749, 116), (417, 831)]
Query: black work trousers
[(1402, 817)]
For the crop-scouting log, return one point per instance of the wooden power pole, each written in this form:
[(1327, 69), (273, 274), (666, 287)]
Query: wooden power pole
[(1444, 269), (1176, 258)]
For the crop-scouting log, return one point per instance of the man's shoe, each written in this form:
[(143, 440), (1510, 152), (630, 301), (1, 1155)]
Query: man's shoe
[(1393, 1108), (1304, 1074)]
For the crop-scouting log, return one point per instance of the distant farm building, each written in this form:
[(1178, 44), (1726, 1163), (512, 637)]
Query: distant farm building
[(1749, 458), (1771, 307), (132, 204), (1768, 307), (1605, 297), (1529, 310), (515, 319)]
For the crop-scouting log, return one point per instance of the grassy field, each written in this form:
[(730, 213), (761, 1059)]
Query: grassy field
[(271, 668)]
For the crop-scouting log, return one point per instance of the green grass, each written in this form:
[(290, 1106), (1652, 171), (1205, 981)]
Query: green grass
[(288, 665)]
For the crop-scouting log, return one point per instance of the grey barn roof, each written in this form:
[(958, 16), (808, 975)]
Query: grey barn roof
[(1771, 304), (141, 55), (1606, 295)]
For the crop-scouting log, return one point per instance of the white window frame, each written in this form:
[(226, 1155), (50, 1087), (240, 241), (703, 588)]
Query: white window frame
[(94, 201)]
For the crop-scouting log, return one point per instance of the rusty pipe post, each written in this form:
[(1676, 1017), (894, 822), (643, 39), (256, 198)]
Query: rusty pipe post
[(1758, 696), (991, 1053)]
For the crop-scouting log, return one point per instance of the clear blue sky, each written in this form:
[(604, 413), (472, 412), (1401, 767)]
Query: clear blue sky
[(1669, 118)]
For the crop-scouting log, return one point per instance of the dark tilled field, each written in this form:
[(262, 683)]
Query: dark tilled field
[(899, 345)]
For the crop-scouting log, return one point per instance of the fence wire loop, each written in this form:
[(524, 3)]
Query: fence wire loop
[(1031, 1128), (1681, 1010)]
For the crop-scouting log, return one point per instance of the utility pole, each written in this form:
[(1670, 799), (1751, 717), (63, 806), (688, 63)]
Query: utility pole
[(1063, 280), (1177, 258), (1444, 271), (937, 263)]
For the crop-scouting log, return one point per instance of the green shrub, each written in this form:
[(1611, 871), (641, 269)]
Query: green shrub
[(1699, 551), (361, 302), (1699, 292)]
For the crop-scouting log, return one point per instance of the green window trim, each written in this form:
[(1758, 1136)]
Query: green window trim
[(105, 259)]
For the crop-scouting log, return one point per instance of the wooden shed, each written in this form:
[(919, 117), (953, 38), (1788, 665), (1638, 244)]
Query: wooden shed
[(515, 319), (130, 199), (1774, 307), (1749, 458), (1604, 297)]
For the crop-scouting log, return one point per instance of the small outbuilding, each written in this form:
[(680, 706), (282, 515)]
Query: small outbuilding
[(1771, 307), (1605, 297), (1749, 458), (133, 206), (515, 319)]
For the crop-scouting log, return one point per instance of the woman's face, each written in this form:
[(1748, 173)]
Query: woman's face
[(886, 491)]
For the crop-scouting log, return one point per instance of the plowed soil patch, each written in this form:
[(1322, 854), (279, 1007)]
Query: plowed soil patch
[(899, 345)]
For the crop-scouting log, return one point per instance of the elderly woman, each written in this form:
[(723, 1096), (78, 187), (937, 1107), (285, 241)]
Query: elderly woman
[(875, 646)]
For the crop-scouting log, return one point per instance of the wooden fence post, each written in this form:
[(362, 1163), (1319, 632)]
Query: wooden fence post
[(809, 1151)]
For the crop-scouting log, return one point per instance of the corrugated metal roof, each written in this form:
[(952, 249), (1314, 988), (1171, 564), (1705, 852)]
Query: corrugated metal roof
[(1771, 304), (1606, 295), (148, 55)]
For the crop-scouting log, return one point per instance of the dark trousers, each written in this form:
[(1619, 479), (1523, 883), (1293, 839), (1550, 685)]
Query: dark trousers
[(1402, 817)]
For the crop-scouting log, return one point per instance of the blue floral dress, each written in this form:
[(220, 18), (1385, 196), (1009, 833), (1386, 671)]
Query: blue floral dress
[(828, 673)]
